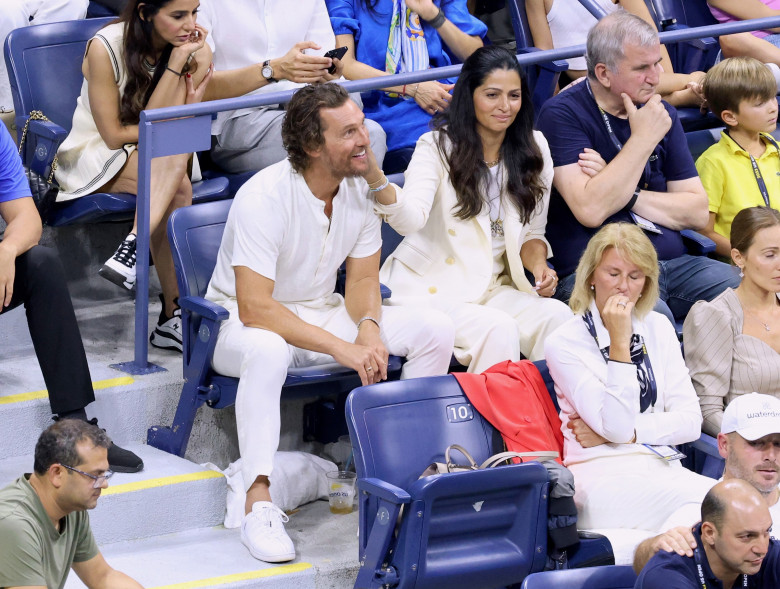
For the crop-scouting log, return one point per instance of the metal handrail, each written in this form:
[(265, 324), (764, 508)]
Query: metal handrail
[(153, 127)]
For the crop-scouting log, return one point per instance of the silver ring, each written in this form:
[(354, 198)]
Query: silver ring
[(621, 304), (369, 369), (436, 111)]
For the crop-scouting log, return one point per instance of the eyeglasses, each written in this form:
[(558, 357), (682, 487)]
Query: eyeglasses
[(99, 479)]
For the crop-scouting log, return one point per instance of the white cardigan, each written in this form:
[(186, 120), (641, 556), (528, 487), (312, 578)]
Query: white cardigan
[(606, 394), (442, 255)]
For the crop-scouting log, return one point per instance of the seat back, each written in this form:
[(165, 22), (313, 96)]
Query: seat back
[(606, 577), (44, 67), (195, 233), (453, 535)]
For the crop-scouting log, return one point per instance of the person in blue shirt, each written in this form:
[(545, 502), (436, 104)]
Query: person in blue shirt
[(649, 178), (733, 547), (32, 275), (387, 37)]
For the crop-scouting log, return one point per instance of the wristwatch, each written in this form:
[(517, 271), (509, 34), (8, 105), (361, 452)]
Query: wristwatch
[(268, 71)]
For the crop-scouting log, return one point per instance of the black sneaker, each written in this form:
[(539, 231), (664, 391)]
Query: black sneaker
[(167, 333), (119, 459), (120, 268)]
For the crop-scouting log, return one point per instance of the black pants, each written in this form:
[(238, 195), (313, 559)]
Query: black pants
[(39, 284)]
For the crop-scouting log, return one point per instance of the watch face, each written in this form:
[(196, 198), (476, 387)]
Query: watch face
[(267, 71)]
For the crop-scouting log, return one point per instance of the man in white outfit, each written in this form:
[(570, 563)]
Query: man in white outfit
[(749, 440), (289, 230), (264, 46)]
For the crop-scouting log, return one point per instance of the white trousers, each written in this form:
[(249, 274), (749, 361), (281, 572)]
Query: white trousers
[(638, 492), (501, 325), (260, 359)]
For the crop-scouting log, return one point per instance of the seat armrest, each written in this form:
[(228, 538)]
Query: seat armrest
[(204, 307), (707, 444), (696, 243), (384, 490), (47, 129), (384, 291), (558, 65)]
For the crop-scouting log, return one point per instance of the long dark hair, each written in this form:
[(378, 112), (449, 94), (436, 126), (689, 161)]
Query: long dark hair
[(138, 45), (461, 145)]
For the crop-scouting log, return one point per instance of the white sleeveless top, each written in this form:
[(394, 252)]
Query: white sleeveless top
[(569, 24), (85, 161)]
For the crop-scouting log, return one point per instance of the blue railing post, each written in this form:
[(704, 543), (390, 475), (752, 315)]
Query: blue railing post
[(192, 135)]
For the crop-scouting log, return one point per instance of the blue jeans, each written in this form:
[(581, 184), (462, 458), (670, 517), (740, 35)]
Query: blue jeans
[(682, 282)]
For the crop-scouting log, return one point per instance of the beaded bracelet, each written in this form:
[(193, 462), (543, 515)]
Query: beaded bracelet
[(380, 188), (367, 318)]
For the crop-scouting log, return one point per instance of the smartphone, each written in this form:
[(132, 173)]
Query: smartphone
[(336, 53)]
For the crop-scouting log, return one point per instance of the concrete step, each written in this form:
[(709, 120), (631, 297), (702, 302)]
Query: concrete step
[(170, 495), (326, 556)]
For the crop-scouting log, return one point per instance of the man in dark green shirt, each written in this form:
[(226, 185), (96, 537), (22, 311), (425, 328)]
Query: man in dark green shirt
[(44, 526)]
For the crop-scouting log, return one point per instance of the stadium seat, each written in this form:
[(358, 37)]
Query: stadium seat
[(695, 55), (195, 233), (542, 77), (99, 10), (476, 529), (609, 577), (702, 457), (44, 67)]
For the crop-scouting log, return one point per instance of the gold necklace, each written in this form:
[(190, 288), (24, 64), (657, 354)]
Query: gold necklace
[(492, 164)]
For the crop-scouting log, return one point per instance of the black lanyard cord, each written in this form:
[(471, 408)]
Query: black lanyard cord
[(756, 171)]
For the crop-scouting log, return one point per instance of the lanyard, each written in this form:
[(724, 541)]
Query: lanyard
[(700, 570), (645, 177), (651, 387), (759, 178)]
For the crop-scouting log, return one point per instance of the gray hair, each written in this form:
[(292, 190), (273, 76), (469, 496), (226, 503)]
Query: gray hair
[(608, 37)]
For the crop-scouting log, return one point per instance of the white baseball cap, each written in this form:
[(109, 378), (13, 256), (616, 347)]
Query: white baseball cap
[(752, 416)]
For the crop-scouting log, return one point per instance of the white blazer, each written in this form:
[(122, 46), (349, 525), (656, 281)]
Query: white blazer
[(442, 255)]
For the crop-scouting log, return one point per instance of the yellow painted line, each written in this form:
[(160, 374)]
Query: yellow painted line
[(97, 385), (285, 569), (162, 482)]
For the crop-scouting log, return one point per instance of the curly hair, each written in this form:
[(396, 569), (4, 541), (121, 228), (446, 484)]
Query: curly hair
[(302, 128), (57, 443)]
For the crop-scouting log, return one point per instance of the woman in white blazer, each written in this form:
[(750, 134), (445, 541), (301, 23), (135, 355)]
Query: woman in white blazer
[(473, 212)]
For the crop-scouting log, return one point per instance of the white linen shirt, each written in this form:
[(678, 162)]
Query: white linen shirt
[(247, 32), (278, 228), (606, 394)]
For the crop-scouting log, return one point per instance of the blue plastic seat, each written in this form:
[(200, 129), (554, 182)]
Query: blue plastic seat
[(44, 68), (609, 577), (477, 529), (542, 77), (195, 234)]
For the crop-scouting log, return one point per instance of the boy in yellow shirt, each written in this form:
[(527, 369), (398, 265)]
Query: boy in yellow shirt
[(743, 169)]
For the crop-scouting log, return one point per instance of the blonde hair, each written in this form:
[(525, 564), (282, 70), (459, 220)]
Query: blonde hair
[(736, 79), (633, 246)]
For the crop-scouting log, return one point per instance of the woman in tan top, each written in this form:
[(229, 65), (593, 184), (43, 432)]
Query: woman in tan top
[(732, 342)]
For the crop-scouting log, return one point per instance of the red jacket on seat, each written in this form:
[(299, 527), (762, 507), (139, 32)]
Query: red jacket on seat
[(512, 396)]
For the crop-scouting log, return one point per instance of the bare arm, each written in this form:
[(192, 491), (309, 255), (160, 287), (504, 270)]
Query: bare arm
[(533, 254), (362, 298), (95, 573), (258, 308), (679, 540), (461, 44), (722, 244), (429, 95), (536, 11), (171, 90), (22, 232), (745, 9), (682, 206)]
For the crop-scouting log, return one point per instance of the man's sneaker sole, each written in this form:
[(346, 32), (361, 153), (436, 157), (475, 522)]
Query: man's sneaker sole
[(164, 341), (113, 276), (265, 557)]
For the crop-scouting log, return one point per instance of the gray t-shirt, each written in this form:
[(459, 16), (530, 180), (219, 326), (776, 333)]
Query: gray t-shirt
[(32, 551)]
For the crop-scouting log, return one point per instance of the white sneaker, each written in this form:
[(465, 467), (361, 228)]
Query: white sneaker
[(263, 533), (120, 268)]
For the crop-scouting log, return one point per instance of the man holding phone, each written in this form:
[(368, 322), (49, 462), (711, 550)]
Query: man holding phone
[(260, 46)]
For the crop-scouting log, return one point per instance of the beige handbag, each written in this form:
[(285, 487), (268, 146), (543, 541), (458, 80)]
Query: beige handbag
[(495, 460)]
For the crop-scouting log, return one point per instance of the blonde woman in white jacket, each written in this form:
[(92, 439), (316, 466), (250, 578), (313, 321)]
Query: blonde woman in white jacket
[(473, 212)]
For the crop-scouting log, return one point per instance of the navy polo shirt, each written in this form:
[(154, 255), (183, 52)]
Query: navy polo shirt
[(13, 182), (571, 121), (669, 570)]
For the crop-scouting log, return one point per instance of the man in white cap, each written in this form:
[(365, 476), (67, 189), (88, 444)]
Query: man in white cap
[(749, 440)]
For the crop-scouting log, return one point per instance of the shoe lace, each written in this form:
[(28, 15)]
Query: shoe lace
[(125, 254), (270, 513)]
